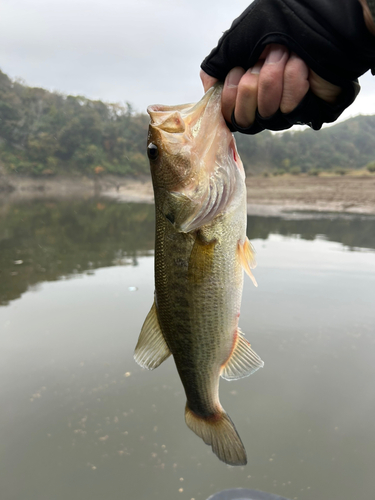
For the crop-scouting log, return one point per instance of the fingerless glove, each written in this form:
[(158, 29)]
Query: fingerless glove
[(329, 35)]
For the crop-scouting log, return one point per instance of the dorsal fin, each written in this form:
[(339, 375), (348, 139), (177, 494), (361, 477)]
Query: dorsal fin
[(246, 254), (243, 361), (151, 349)]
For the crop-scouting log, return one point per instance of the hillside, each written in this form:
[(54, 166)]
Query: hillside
[(45, 133), (349, 144)]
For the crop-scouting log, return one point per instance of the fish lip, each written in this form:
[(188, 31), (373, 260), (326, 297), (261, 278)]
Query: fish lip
[(159, 112)]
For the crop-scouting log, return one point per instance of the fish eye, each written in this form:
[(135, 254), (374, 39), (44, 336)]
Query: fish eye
[(152, 151)]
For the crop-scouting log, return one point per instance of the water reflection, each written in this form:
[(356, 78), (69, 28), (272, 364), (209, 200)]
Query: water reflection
[(351, 231), (79, 419), (44, 241)]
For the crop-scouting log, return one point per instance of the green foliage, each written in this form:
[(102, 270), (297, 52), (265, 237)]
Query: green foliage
[(295, 170), (314, 171), (44, 133), (347, 145), (279, 171), (371, 166), (286, 164), (340, 170)]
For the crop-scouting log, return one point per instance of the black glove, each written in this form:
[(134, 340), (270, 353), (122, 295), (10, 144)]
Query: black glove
[(329, 35)]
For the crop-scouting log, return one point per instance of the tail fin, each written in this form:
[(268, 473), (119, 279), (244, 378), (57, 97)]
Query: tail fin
[(219, 432)]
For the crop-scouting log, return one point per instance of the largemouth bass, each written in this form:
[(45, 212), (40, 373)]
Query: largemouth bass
[(201, 250)]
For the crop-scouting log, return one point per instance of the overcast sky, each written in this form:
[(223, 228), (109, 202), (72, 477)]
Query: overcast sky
[(141, 51)]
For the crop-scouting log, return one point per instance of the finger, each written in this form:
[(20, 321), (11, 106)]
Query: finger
[(369, 21), (296, 83), (246, 100), (207, 80), (323, 89), (229, 94), (270, 84)]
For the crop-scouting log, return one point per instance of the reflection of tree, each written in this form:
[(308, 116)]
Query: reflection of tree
[(350, 231), (54, 239)]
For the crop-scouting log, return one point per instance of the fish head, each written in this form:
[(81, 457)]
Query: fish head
[(193, 159)]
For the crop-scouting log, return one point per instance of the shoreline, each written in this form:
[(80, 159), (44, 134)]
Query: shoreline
[(288, 196), (285, 196)]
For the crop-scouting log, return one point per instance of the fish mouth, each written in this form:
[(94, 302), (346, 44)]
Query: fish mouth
[(203, 153), (171, 118)]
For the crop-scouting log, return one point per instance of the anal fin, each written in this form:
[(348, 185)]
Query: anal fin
[(246, 253), (151, 349), (243, 360)]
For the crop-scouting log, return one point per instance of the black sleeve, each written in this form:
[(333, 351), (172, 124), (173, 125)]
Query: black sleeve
[(329, 35)]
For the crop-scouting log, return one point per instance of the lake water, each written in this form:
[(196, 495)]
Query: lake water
[(80, 420)]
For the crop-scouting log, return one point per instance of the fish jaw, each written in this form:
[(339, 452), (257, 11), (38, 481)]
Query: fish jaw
[(197, 161)]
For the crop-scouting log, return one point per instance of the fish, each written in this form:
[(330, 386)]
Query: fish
[(201, 253)]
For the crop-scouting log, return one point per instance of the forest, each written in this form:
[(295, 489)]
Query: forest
[(45, 133)]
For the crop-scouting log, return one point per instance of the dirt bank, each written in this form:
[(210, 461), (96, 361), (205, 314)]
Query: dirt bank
[(346, 194), (275, 195), (266, 195), (17, 188)]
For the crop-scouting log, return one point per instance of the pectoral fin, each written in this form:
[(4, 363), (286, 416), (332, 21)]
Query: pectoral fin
[(243, 360), (201, 259), (246, 254), (151, 349)]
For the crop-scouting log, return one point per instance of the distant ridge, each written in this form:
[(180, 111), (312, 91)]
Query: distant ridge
[(347, 145), (45, 133)]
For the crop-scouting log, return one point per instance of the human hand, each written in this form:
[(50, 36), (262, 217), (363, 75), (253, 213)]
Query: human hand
[(284, 62), (279, 80), (367, 17)]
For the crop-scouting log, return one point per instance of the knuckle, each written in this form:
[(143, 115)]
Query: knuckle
[(295, 69), (227, 104), (292, 73), (268, 81), (228, 100), (247, 88)]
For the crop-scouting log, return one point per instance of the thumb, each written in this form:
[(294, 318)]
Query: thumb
[(207, 80), (323, 89)]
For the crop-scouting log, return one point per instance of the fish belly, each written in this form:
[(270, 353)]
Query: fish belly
[(198, 302)]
